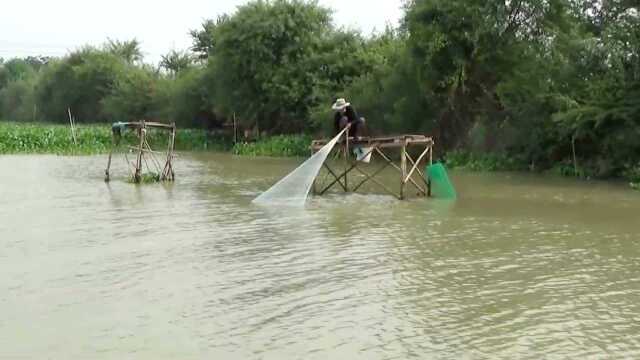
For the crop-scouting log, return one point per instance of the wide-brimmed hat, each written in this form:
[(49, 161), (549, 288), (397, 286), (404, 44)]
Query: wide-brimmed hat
[(340, 104)]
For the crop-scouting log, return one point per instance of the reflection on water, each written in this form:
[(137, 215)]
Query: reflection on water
[(518, 267)]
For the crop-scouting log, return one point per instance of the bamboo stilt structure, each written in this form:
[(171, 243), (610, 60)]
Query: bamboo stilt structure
[(143, 149), (407, 167)]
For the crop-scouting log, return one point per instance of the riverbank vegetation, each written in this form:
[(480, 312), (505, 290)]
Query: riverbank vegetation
[(19, 138), (527, 84), (43, 138)]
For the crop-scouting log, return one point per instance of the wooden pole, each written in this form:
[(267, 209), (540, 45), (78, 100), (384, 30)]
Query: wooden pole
[(235, 129), (172, 147), (403, 167), (575, 159), (331, 172), (395, 166), (106, 172), (73, 130), (428, 180), (431, 154), (337, 180), (415, 164), (138, 174), (313, 186), (166, 172), (346, 158)]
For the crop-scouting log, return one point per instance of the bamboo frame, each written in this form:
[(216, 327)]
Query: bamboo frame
[(143, 149), (408, 167)]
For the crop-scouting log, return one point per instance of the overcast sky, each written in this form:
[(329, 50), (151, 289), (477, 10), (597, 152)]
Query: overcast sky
[(53, 27)]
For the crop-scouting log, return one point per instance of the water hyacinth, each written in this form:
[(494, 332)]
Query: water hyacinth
[(38, 138)]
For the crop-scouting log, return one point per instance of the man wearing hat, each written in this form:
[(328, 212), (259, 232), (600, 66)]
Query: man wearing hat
[(346, 114)]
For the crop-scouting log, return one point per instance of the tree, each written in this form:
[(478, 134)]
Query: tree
[(465, 49), (79, 81), (18, 69), (128, 50), (263, 62), (17, 101), (603, 118), (176, 61), (132, 95), (204, 41)]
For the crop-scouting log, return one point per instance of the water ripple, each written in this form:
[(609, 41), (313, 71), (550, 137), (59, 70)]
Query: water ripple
[(194, 270)]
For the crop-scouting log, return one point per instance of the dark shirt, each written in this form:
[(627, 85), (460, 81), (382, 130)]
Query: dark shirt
[(352, 118)]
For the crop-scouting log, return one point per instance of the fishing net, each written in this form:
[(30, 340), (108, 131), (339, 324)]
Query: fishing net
[(295, 187), (441, 186)]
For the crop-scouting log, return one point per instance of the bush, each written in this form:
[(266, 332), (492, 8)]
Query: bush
[(277, 146), (483, 162)]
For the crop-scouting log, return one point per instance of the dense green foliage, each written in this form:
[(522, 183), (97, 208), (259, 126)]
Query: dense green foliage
[(524, 84)]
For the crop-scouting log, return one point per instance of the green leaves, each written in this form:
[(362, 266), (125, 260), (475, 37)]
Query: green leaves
[(264, 59), (132, 96)]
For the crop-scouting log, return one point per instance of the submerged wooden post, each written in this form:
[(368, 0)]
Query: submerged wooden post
[(173, 149), (313, 186), (428, 179), (106, 172), (403, 167), (137, 177), (235, 129), (346, 159), (167, 172)]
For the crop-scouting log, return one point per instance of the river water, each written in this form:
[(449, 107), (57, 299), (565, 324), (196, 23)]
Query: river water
[(521, 266)]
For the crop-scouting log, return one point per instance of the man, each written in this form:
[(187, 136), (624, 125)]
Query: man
[(346, 114)]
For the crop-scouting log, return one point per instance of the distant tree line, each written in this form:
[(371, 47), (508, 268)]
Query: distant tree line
[(538, 80)]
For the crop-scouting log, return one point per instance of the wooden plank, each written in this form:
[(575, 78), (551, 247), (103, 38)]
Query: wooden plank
[(138, 125), (392, 145), (158, 125), (385, 142)]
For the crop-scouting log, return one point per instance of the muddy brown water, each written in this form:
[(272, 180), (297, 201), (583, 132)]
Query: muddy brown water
[(520, 266)]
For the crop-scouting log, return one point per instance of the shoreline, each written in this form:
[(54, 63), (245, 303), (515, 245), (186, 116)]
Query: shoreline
[(95, 139)]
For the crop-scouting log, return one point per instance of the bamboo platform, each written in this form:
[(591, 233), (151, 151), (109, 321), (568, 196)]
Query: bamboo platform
[(409, 168), (143, 150)]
